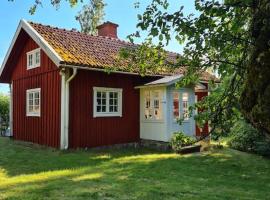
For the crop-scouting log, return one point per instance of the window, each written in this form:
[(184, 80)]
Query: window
[(152, 106), (33, 59), (33, 102), (176, 105), (107, 102), (185, 106)]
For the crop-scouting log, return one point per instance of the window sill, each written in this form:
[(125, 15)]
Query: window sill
[(152, 121), (32, 115), (106, 115), (32, 67)]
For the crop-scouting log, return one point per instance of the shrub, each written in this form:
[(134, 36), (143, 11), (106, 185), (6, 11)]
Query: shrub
[(180, 140), (244, 137), (4, 112)]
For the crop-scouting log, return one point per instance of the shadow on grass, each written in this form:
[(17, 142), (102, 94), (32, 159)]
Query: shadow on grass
[(34, 173)]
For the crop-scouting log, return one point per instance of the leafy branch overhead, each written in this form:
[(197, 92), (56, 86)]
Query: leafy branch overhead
[(91, 16), (230, 38)]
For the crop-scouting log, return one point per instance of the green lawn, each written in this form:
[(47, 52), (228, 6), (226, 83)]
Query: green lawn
[(31, 172)]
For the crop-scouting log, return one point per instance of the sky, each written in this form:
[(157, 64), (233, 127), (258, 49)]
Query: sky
[(121, 12)]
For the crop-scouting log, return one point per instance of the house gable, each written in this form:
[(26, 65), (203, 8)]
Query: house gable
[(22, 35)]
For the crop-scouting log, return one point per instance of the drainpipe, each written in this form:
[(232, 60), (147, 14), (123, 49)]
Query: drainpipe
[(11, 110), (65, 106)]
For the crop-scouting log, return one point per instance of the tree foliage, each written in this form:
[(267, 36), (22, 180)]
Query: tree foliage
[(55, 3), (91, 16), (4, 112), (232, 38)]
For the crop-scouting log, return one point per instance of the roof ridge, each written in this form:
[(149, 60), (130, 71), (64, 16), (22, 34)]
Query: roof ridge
[(73, 31)]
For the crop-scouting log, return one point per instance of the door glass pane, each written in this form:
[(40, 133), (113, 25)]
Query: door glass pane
[(185, 106)]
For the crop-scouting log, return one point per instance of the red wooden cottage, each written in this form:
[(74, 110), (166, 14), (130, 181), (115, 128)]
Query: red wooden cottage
[(62, 96)]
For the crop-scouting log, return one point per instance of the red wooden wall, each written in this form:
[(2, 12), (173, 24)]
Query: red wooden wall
[(205, 129), (45, 129), (86, 131)]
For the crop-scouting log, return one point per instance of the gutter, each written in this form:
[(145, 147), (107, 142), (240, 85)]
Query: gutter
[(65, 80)]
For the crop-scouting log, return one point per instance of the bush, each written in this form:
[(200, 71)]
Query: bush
[(244, 137), (180, 140), (4, 112)]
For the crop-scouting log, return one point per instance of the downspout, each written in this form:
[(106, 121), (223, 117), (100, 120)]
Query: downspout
[(65, 107), (62, 119), (11, 110), (74, 72)]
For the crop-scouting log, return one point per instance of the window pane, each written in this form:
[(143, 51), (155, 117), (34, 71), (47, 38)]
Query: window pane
[(98, 108), (98, 101), (98, 94), (111, 94), (104, 95), (36, 95), (111, 109), (37, 102), (36, 108), (115, 108), (156, 104), (115, 102), (30, 96), (176, 105), (30, 108), (147, 99), (111, 102), (103, 108), (115, 95), (38, 57), (103, 101), (185, 106), (30, 102), (30, 60)]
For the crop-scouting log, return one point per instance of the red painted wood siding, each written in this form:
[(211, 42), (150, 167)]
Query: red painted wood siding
[(45, 129), (86, 131), (205, 129)]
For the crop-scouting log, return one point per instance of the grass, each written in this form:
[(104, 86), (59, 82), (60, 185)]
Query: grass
[(32, 172)]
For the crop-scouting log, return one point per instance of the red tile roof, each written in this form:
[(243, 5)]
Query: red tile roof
[(81, 49)]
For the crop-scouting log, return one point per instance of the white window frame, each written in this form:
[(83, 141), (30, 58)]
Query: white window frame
[(34, 63), (185, 109), (151, 109), (33, 113), (107, 113)]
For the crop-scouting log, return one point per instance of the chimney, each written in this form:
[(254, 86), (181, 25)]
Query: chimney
[(108, 29)]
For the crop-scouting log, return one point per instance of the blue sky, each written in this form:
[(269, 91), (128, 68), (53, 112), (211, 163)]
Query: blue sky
[(121, 12)]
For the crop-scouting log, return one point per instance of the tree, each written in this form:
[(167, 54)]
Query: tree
[(232, 38), (55, 3), (91, 16), (4, 112)]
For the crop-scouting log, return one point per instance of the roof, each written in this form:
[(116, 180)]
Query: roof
[(167, 81), (69, 47)]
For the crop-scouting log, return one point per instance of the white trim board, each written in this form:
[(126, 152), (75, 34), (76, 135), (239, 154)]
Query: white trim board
[(43, 44)]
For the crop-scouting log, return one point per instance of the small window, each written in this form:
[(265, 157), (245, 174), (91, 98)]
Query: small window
[(152, 108), (33, 102), (185, 106), (107, 102), (176, 105), (147, 110), (33, 59)]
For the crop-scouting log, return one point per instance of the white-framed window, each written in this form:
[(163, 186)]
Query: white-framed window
[(107, 102), (33, 102), (185, 105), (152, 105), (33, 58), (176, 110)]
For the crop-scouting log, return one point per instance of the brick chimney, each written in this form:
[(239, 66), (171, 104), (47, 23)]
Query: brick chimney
[(108, 29)]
